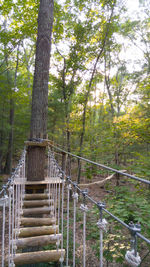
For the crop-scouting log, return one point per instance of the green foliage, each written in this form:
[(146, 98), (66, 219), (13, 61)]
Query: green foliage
[(128, 203), (131, 203)]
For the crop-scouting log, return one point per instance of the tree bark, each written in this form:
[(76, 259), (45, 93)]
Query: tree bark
[(38, 129)]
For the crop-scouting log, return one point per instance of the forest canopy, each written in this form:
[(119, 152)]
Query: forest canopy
[(99, 84)]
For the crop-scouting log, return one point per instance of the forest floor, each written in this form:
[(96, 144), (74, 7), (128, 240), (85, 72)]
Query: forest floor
[(92, 254), (113, 239)]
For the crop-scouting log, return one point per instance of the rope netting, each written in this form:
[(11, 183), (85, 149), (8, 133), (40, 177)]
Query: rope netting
[(63, 195), (11, 198)]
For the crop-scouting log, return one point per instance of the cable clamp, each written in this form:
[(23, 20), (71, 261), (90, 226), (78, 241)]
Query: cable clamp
[(132, 259), (84, 207), (102, 225)]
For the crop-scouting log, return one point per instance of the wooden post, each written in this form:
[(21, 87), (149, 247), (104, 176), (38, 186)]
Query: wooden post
[(36, 163)]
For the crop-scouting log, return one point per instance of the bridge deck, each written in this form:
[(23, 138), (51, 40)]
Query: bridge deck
[(52, 180)]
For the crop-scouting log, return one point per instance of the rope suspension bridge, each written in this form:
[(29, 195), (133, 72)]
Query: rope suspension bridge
[(36, 214)]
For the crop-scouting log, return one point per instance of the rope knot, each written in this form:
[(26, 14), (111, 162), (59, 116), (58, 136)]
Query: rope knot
[(58, 242), (69, 187), (84, 207), (61, 258), (21, 212), (102, 225), (75, 196), (132, 259), (12, 264), (10, 189)]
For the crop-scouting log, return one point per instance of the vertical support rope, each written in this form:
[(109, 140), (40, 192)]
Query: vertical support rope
[(16, 210), (12, 232), (3, 228), (48, 175), (68, 199), (84, 208), (59, 207), (55, 199), (10, 222), (62, 221), (18, 221), (75, 199), (48, 162), (55, 194), (101, 248), (102, 224)]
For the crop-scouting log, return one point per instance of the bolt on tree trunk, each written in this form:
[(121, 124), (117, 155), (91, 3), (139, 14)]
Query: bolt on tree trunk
[(36, 154)]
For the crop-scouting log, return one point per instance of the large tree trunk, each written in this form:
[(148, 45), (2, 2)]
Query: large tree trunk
[(36, 154)]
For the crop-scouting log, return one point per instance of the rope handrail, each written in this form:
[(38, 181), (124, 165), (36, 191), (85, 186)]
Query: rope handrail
[(13, 174), (108, 212), (131, 256), (104, 166), (68, 178)]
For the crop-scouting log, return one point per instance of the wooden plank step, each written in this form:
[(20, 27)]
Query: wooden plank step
[(51, 180), (37, 221), (38, 257), (37, 241), (36, 196), (36, 231), (38, 211), (38, 203)]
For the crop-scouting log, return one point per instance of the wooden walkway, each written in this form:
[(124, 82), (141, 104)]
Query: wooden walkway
[(38, 226)]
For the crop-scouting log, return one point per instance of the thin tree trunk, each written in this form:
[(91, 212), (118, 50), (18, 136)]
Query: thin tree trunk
[(8, 164), (28, 65), (88, 93), (68, 149), (38, 129), (2, 138)]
